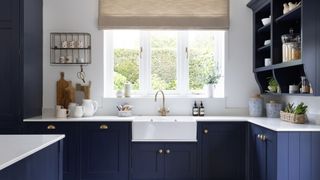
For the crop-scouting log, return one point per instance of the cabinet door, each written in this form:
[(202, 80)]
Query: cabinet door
[(222, 151), (147, 161), (105, 151), (180, 161), (10, 67), (258, 154), (264, 154), (70, 144)]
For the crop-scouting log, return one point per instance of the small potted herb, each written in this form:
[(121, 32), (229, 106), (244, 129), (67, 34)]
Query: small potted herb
[(211, 83), (272, 85), (294, 114)]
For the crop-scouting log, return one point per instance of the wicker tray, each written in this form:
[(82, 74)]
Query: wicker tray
[(293, 118)]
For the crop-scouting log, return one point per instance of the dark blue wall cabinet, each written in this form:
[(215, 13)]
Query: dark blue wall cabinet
[(10, 109), (222, 148), (20, 61), (303, 20), (165, 161), (71, 148), (105, 151), (43, 165)]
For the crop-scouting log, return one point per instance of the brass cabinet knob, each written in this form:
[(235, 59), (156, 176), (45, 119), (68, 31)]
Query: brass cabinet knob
[(160, 151), (104, 126), (51, 127), (168, 151), (205, 131)]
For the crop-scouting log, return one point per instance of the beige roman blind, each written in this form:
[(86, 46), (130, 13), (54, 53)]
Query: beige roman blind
[(163, 14)]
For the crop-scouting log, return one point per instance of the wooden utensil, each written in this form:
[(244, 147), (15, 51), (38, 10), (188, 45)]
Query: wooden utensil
[(62, 84), (69, 94), (85, 89)]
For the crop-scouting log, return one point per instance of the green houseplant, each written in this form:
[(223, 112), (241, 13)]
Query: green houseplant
[(211, 82), (272, 85), (294, 114)]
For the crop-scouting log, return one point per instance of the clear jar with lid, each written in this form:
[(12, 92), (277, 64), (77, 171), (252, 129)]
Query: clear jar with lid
[(291, 46)]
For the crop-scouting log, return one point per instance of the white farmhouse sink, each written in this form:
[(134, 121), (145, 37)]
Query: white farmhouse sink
[(164, 129)]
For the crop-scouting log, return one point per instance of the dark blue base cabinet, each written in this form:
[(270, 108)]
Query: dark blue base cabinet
[(163, 161), (222, 151), (284, 155), (43, 165), (92, 151)]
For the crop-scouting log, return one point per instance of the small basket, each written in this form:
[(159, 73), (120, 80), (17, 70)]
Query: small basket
[(293, 118)]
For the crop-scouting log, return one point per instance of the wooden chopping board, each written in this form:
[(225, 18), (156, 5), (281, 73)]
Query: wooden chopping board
[(62, 84), (69, 94)]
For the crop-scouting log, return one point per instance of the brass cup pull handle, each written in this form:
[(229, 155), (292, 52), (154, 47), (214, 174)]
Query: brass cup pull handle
[(259, 136), (104, 126), (205, 131), (168, 151), (51, 127), (160, 151)]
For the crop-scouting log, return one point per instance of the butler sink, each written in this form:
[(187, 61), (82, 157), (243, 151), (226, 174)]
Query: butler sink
[(164, 129)]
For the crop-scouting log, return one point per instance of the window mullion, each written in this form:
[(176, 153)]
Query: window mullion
[(145, 66), (109, 64), (182, 63)]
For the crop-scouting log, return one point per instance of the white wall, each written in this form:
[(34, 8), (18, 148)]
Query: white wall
[(240, 83)]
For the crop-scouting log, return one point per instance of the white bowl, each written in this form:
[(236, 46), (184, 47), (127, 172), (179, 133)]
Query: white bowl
[(266, 21)]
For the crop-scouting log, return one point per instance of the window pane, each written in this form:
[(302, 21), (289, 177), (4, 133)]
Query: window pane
[(126, 46), (201, 58), (163, 60)]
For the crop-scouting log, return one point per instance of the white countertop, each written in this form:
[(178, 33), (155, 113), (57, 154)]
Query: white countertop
[(274, 124), (17, 147)]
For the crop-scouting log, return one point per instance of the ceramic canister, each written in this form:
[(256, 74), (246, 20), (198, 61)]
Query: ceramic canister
[(256, 106), (273, 109)]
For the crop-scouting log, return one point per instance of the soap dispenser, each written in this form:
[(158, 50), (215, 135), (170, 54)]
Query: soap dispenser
[(195, 109), (201, 109)]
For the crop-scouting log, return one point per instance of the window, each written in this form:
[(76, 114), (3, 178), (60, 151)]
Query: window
[(177, 62)]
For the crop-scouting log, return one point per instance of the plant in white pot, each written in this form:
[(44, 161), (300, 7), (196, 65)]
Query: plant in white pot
[(211, 83)]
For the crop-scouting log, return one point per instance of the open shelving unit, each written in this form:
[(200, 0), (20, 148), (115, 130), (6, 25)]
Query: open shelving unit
[(285, 73), (70, 48)]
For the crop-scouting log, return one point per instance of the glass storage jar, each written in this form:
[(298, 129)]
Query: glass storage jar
[(291, 46)]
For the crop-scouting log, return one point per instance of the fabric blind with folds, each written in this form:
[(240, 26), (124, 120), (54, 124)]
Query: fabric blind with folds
[(163, 14)]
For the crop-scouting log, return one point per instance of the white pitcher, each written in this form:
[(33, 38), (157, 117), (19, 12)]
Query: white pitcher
[(89, 107), (78, 112)]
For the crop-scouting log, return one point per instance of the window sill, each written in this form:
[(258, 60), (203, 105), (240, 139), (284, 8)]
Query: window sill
[(167, 97)]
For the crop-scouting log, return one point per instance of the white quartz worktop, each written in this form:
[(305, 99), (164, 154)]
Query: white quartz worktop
[(14, 148), (269, 123)]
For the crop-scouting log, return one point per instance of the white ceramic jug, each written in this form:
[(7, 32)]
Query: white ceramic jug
[(89, 107), (78, 112)]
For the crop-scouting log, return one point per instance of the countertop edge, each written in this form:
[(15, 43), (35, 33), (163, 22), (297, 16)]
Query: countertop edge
[(274, 124), (31, 152)]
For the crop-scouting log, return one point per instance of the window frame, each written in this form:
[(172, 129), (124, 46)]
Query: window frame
[(182, 68)]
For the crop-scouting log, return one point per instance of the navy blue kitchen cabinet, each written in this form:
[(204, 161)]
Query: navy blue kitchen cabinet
[(222, 151), (105, 151), (20, 62), (43, 165), (71, 143), (263, 153), (165, 161)]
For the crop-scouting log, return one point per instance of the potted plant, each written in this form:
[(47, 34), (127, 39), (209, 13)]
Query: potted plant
[(272, 85), (294, 114), (211, 83)]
